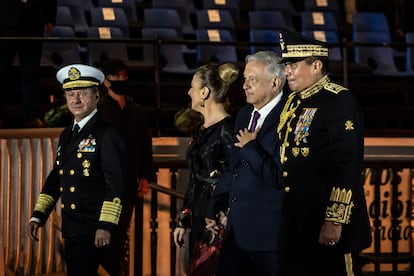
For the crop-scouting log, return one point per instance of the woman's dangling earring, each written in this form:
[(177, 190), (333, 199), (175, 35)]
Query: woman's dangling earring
[(202, 103)]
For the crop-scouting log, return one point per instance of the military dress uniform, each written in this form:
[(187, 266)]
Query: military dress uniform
[(89, 176), (322, 145)]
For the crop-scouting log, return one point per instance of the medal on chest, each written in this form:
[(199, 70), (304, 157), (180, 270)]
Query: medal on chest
[(302, 131)]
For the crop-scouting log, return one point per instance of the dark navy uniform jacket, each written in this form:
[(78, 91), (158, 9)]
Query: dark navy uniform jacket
[(321, 132), (89, 175), (251, 187)]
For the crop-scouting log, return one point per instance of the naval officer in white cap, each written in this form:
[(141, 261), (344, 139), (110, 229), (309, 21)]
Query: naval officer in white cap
[(89, 175)]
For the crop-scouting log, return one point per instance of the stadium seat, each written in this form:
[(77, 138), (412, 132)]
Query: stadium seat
[(60, 53), (64, 17), (230, 5), (374, 28), (78, 9), (318, 20), (280, 5), (264, 36), (128, 6), (98, 51), (207, 53), (409, 55), (269, 20), (110, 17), (324, 6), (163, 18), (172, 54), (183, 9), (216, 20)]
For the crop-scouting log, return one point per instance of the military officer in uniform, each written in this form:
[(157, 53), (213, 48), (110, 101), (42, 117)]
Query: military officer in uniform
[(89, 175), (322, 145)]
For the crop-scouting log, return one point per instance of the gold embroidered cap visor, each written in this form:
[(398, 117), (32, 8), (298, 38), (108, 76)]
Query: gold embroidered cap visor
[(79, 76), (296, 47)]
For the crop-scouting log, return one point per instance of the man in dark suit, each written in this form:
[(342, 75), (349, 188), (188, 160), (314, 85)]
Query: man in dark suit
[(119, 110), (89, 175), (24, 18), (321, 130), (250, 189)]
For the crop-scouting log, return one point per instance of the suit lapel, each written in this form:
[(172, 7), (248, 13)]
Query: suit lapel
[(244, 118), (273, 117)]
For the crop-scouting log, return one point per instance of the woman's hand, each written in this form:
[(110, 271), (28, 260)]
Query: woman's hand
[(179, 237)]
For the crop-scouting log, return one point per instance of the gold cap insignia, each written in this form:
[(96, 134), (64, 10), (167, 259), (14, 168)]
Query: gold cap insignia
[(282, 42), (74, 74)]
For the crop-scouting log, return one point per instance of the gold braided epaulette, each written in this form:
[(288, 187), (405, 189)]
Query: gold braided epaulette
[(340, 209), (334, 88)]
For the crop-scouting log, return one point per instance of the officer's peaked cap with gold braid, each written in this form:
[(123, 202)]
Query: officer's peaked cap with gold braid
[(296, 47), (76, 76)]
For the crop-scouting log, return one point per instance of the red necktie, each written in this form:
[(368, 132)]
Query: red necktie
[(253, 125)]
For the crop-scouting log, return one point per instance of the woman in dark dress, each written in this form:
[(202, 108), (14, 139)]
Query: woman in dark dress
[(208, 152)]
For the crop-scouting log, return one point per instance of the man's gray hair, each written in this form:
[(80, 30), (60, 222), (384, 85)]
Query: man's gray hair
[(273, 68)]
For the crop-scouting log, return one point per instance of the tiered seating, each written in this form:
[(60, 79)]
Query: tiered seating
[(163, 18), (172, 54), (207, 53), (279, 5), (265, 27), (318, 21), (216, 20), (229, 5), (323, 6), (106, 50), (128, 6), (183, 8), (60, 53), (374, 28), (322, 25), (64, 16), (110, 17), (409, 55), (78, 9)]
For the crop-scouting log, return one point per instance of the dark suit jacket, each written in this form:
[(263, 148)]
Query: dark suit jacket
[(89, 176), (26, 19), (252, 187)]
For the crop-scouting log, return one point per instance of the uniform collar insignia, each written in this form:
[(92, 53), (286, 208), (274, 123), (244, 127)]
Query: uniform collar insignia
[(315, 88)]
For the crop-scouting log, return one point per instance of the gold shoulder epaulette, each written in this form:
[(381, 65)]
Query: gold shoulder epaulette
[(334, 88)]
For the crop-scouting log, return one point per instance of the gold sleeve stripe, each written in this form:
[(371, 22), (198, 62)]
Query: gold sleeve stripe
[(341, 205), (44, 203), (111, 211), (348, 264)]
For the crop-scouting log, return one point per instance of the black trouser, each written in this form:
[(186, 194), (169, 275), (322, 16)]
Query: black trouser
[(82, 257), (235, 261), (324, 261)]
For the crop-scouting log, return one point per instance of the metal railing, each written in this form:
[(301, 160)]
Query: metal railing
[(27, 156)]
